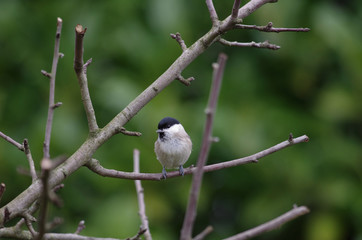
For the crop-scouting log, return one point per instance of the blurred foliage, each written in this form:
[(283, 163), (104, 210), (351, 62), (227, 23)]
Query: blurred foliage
[(312, 85)]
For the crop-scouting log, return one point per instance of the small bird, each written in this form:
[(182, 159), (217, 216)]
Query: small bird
[(173, 145)]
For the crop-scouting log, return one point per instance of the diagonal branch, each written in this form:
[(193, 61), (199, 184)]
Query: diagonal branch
[(272, 224), (269, 28), (48, 128), (140, 196), (186, 231), (212, 11), (81, 71), (12, 141)]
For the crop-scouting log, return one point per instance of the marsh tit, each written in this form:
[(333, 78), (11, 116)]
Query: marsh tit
[(173, 145)]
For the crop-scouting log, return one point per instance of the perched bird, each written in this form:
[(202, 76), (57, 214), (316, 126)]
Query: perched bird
[(173, 145)]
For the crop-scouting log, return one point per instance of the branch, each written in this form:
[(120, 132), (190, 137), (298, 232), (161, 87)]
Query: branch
[(204, 233), (235, 10), (185, 81), (12, 141), (48, 128), (212, 11), (272, 224), (178, 38), (80, 227), (96, 167), (140, 196), (80, 70), (2, 190), (264, 44), (46, 166), (269, 28), (30, 160), (186, 231), (129, 133)]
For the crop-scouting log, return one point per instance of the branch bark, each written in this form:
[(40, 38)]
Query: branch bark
[(81, 71), (272, 224), (140, 196), (186, 231), (48, 128)]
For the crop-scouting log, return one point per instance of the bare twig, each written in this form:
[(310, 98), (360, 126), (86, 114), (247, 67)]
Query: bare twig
[(12, 141), (46, 166), (2, 190), (204, 233), (130, 133), (140, 196), (180, 41), (212, 11), (185, 81), (48, 128), (80, 227), (269, 28), (272, 224), (96, 167), (29, 219), (30, 160), (80, 70), (235, 10), (186, 231), (264, 44)]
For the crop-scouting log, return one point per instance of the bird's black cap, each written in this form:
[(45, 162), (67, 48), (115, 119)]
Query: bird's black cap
[(167, 122)]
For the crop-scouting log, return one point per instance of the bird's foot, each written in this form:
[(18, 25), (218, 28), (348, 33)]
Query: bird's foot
[(181, 170), (164, 173)]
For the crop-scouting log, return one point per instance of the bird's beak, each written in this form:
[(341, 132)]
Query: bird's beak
[(159, 131)]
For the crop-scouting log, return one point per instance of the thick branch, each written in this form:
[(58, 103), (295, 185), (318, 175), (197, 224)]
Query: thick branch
[(235, 10), (186, 231), (269, 28), (48, 128), (272, 224), (140, 196), (80, 70), (12, 141)]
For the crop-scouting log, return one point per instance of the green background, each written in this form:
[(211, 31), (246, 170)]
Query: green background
[(312, 85)]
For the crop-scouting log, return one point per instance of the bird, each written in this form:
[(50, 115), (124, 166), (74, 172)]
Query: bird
[(173, 145)]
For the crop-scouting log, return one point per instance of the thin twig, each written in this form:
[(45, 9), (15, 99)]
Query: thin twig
[(81, 69), (48, 128), (271, 225), (235, 10), (30, 160), (140, 196), (80, 227), (180, 41), (186, 231), (29, 219), (46, 166), (264, 44), (130, 133), (2, 190), (204, 233), (96, 167), (269, 28), (212, 11), (12, 141), (185, 81)]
